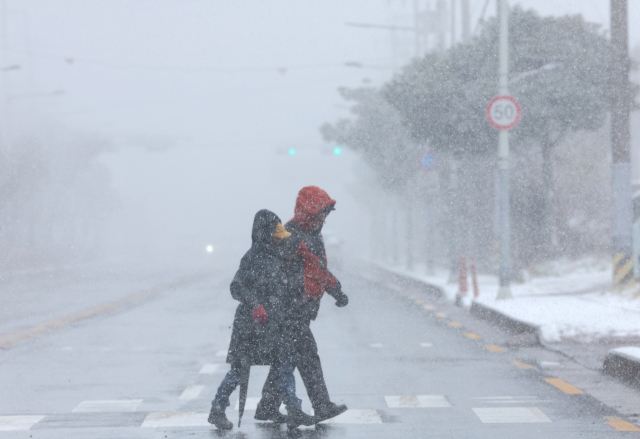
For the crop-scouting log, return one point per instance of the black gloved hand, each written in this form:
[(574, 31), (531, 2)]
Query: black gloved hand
[(341, 299)]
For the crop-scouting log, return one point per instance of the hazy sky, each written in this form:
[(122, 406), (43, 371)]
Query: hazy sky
[(226, 84)]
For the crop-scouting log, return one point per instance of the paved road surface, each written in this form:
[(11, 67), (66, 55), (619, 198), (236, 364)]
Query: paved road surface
[(404, 368)]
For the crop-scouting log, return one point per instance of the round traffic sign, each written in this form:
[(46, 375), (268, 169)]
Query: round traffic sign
[(503, 112), (427, 161)]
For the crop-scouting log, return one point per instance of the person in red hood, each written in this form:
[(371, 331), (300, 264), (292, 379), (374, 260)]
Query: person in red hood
[(308, 279)]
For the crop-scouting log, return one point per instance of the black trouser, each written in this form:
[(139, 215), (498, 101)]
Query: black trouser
[(307, 360)]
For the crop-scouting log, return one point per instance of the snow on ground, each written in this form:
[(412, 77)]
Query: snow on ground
[(567, 300)]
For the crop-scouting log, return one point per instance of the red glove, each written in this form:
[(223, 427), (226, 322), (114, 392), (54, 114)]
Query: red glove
[(259, 315)]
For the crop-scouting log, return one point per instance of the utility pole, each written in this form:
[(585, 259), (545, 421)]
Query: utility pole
[(503, 160), (621, 241)]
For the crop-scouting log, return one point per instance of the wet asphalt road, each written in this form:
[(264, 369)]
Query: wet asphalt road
[(150, 370)]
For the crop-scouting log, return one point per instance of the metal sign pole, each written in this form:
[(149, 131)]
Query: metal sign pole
[(504, 291), (620, 148)]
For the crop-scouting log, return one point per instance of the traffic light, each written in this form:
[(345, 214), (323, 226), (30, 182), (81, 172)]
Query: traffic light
[(337, 150), (291, 151)]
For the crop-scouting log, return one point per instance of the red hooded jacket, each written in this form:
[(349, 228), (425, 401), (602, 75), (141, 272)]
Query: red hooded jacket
[(311, 256)]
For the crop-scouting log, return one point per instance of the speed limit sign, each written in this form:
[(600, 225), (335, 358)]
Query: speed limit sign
[(503, 112)]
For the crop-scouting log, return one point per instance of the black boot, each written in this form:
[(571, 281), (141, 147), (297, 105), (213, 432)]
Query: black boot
[(328, 411), (219, 419), (264, 413), (296, 417)]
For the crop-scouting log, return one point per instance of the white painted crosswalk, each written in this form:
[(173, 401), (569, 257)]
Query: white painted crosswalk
[(417, 401), (113, 405), (9, 423), (510, 415), (191, 392), (491, 413), (210, 368), (356, 416), (175, 419)]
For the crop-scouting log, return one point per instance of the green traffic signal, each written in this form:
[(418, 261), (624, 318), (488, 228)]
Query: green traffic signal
[(292, 151), (337, 150)]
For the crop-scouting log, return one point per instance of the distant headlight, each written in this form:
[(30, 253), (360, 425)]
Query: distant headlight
[(209, 249)]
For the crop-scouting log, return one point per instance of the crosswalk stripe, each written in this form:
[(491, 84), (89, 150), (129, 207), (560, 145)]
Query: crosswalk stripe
[(175, 419), (417, 401), (191, 392), (356, 416), (108, 405), (426, 345), (10, 423), (251, 404), (210, 368), (510, 415)]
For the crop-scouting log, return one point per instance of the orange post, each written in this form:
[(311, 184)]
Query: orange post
[(474, 277), (463, 286)]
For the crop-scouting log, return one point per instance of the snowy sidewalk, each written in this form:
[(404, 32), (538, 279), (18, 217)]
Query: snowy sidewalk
[(571, 303)]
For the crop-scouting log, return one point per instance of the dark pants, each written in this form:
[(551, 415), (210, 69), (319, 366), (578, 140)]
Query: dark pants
[(285, 385), (307, 360)]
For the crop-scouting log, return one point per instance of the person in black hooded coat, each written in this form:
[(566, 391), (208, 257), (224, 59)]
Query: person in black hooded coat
[(261, 331)]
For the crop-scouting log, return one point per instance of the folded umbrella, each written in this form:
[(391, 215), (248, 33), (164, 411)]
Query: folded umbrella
[(245, 370)]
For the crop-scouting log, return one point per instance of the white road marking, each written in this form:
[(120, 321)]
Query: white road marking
[(419, 401), (511, 399), (113, 405), (356, 416), (510, 415), (210, 368), (252, 403), (221, 353), (175, 419), (376, 345), (426, 345), (8, 423), (549, 364), (67, 348), (191, 392)]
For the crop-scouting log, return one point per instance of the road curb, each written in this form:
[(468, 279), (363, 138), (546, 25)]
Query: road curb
[(505, 321), (623, 363), (406, 281), (477, 309)]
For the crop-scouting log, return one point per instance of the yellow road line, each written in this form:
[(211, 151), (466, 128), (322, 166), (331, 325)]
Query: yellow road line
[(492, 348), (564, 386), (622, 272), (428, 307), (441, 315), (472, 335), (521, 365), (620, 424), (617, 258), (133, 299), (419, 302), (455, 324)]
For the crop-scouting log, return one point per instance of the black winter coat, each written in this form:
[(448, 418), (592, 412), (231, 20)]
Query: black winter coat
[(261, 280)]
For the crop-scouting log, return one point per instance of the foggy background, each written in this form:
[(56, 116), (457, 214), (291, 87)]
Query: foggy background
[(142, 131)]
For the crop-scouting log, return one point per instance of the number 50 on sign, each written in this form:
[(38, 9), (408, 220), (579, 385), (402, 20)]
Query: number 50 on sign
[(503, 112)]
